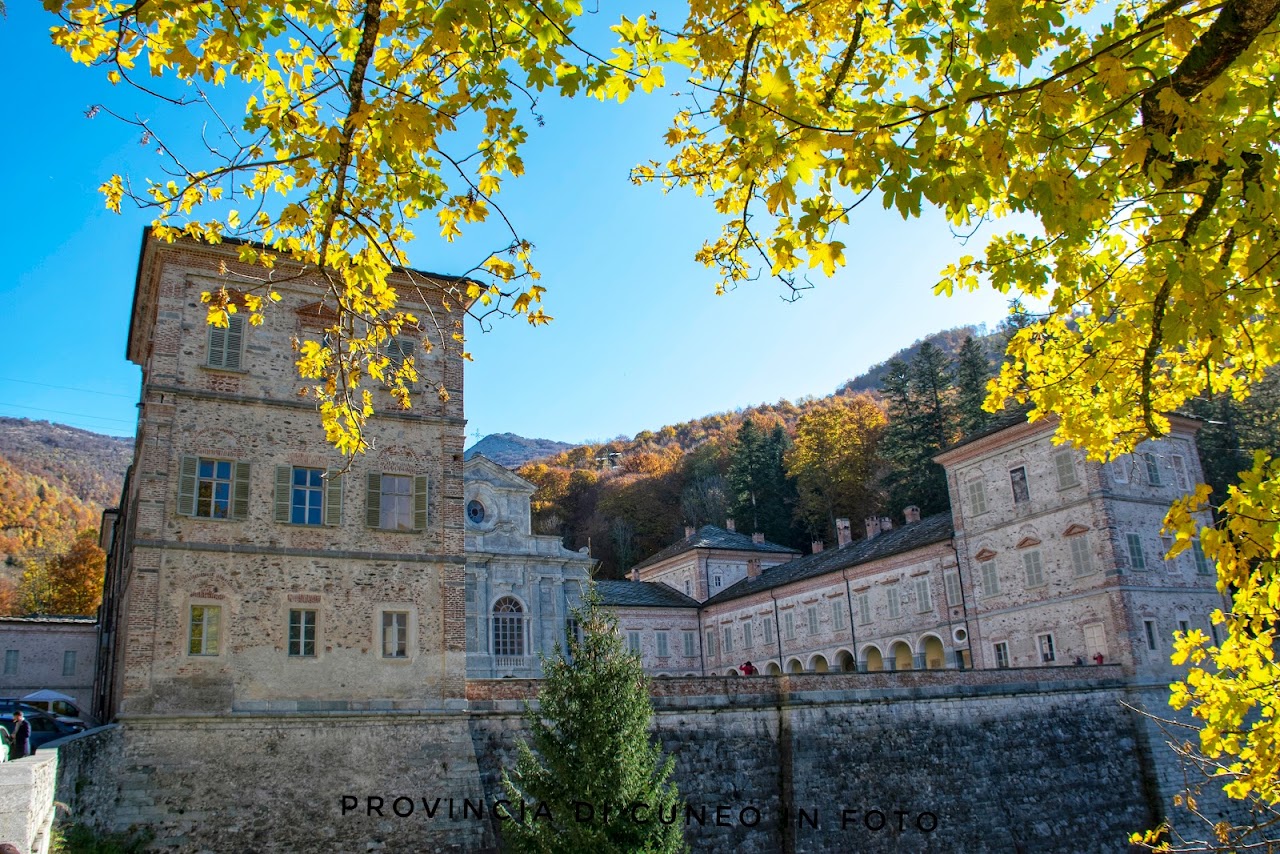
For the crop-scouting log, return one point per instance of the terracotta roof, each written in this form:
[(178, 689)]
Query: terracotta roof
[(712, 537), (934, 529), (642, 594)]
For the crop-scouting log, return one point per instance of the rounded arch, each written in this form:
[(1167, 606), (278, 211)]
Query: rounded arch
[(872, 659), (732, 671), (934, 652), (900, 655), (818, 664), (845, 661), (794, 666), (508, 618), (772, 669)]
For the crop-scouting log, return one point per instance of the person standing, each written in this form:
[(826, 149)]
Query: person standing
[(21, 737)]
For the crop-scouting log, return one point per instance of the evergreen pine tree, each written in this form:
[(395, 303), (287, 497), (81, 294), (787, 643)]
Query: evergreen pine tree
[(920, 426), (746, 479), (973, 369), (590, 745)]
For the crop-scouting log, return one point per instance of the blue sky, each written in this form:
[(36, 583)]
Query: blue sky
[(639, 340)]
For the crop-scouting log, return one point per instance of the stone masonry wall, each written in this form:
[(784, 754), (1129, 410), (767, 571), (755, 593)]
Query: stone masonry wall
[(876, 762)]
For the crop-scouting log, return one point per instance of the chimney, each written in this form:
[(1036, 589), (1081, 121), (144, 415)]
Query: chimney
[(753, 567), (844, 533), (729, 524), (873, 527), (688, 531), (911, 514), (886, 524), (635, 574), (817, 546), (757, 537)]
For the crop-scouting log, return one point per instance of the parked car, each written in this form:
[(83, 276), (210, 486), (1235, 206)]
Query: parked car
[(44, 726), (63, 710)]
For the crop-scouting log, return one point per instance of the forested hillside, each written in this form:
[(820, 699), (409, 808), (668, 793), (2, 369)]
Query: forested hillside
[(54, 483), (790, 470), (787, 469)]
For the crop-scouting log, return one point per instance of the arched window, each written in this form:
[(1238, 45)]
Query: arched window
[(508, 627)]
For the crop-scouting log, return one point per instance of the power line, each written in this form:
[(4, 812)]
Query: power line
[(68, 388), (72, 414)]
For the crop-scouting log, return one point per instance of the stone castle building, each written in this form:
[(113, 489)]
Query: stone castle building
[(1045, 559), (295, 651)]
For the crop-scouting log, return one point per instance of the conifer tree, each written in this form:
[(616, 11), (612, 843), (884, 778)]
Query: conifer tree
[(973, 369), (920, 419), (590, 754), (763, 495)]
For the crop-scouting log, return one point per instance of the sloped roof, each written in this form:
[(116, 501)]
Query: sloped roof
[(713, 537), (479, 467), (934, 529), (642, 594)]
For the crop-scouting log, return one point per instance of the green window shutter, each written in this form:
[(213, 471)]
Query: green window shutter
[(240, 491), (235, 342), (373, 504), (284, 475), (217, 347), (187, 486), (420, 503), (333, 498)]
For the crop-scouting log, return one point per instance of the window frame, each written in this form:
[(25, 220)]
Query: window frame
[(509, 628), (1033, 566), (228, 341), (789, 625), (1153, 469), (990, 579), (1001, 651), (1022, 496), (300, 642), (837, 614), (893, 600), (1150, 636), (210, 616), (748, 634), (811, 620), (690, 643), (1081, 557), (68, 658), (662, 643), (977, 494), (1065, 459), (1046, 648), (12, 661), (864, 608), (1137, 554), (420, 506), (402, 647), (924, 595)]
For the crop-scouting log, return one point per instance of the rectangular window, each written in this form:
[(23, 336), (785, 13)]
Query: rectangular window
[(226, 343), (864, 609), (1002, 654), (893, 600), (399, 350), (1065, 464), (990, 578), (1170, 563), (768, 631), (69, 663), (1035, 569), (213, 489), (1045, 642), (924, 600), (789, 625), (711, 643), (977, 496), (1180, 472), (748, 635), (664, 649), (688, 587), (203, 637), (1213, 631), (633, 642), (716, 581), (1120, 469), (1184, 626), (837, 614), (306, 503), (302, 633), (395, 505), (572, 631), (728, 639), (689, 651), (1095, 643), (951, 581), (1149, 626), (1202, 562), (1081, 558), (1018, 479), (10, 662), (395, 634), (811, 614), (1153, 469), (1137, 558)]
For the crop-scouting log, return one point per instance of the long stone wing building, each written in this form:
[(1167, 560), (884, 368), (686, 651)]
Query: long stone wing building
[(1045, 559)]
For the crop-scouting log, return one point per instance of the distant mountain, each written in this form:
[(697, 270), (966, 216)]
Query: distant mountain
[(54, 481), (510, 450), (948, 341)]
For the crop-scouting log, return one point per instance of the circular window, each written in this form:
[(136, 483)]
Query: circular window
[(475, 512)]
